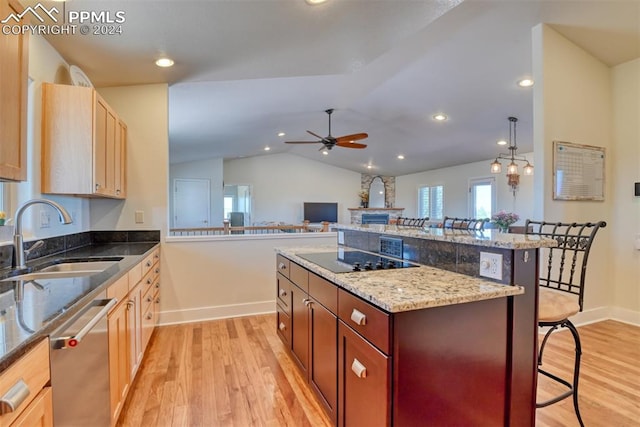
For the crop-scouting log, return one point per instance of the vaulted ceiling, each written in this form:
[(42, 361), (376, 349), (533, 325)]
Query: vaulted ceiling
[(246, 70)]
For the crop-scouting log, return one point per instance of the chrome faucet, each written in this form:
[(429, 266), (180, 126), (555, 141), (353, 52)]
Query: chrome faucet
[(18, 244)]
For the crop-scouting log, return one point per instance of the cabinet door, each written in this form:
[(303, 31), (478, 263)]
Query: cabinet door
[(104, 148), (120, 161), (39, 413), (13, 99), (300, 328), (134, 326), (323, 363), (364, 381), (118, 359)]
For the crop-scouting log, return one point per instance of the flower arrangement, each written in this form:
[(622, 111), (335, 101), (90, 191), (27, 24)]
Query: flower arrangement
[(364, 198), (504, 219), (3, 217)]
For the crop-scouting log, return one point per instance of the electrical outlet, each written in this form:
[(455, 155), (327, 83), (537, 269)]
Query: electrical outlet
[(491, 265), (45, 219)]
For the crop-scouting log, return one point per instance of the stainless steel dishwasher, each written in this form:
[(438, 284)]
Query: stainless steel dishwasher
[(80, 367)]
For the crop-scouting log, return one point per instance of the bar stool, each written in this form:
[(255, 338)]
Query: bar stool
[(561, 280)]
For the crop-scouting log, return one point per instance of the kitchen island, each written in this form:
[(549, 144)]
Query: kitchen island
[(421, 345)]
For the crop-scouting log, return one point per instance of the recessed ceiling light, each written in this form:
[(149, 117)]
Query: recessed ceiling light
[(502, 142), (267, 148), (281, 134), (325, 152), (315, 2), (369, 166), (440, 117), (400, 156), (164, 62), (525, 83)]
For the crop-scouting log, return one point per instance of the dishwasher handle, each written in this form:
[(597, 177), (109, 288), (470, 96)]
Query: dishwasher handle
[(63, 341)]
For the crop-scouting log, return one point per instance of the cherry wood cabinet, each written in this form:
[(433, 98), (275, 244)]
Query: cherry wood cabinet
[(83, 143), (14, 68), (308, 326), (364, 381)]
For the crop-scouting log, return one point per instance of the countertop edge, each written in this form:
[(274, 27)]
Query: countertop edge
[(486, 288), (25, 346)]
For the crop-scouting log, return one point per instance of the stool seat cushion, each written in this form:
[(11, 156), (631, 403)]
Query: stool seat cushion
[(555, 306)]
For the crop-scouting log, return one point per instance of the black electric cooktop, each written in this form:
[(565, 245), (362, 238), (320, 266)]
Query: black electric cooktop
[(345, 261)]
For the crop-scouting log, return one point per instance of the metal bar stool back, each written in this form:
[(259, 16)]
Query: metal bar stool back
[(562, 280)]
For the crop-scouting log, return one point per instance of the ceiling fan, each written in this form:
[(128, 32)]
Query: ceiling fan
[(346, 141)]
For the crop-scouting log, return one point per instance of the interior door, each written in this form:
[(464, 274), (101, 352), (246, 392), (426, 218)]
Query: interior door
[(191, 203)]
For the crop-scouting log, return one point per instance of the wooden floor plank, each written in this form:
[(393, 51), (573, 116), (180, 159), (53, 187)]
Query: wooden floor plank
[(236, 372)]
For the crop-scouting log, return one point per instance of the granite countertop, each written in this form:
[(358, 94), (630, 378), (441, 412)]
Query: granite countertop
[(486, 238), (44, 307), (408, 288)]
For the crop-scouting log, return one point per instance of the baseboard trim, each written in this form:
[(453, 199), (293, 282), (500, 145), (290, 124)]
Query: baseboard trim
[(202, 314)]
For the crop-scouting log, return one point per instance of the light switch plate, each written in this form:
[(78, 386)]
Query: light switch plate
[(139, 217), (45, 219), (491, 265)]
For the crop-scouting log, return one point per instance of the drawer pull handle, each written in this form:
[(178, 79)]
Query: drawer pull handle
[(359, 369), (158, 300), (149, 299), (282, 266), (148, 263), (358, 317), (282, 326), (157, 270), (149, 281), (149, 316), (158, 285), (283, 293), (14, 397)]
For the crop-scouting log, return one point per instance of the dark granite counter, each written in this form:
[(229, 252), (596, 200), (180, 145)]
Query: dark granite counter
[(30, 311)]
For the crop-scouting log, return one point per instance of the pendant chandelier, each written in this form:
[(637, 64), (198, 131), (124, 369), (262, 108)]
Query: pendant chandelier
[(512, 168)]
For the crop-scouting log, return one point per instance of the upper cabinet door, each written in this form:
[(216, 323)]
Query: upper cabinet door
[(13, 99)]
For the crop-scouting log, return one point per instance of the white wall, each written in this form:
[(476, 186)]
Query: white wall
[(455, 180), (145, 111), (282, 182), (209, 169), (574, 102), (625, 215)]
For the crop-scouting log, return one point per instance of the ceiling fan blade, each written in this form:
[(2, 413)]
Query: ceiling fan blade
[(354, 137), (303, 142), (347, 144), (316, 135)]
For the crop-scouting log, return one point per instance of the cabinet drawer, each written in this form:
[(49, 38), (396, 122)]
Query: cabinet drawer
[(283, 293), (364, 382), (369, 321), (323, 291), (299, 276), (282, 265), (147, 298), (283, 326), (29, 375), (119, 289), (39, 412), (135, 275)]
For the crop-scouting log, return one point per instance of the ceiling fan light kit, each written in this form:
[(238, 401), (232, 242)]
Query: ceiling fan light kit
[(329, 141)]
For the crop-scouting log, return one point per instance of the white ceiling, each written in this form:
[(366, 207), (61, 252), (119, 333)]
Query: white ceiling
[(248, 69)]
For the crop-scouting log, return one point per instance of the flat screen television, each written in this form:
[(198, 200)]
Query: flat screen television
[(319, 212)]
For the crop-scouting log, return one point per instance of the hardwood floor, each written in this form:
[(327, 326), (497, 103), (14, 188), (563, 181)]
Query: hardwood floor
[(235, 372)]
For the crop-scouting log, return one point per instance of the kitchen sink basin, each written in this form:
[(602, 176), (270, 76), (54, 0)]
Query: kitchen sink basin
[(65, 270), (91, 266)]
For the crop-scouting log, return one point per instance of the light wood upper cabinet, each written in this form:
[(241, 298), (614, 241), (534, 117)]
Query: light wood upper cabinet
[(83, 143), (13, 99)]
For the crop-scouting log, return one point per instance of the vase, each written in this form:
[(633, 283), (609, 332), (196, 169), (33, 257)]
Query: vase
[(2, 222), (504, 229), (364, 204)]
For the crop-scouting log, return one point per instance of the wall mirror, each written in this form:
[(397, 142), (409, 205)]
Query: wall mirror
[(376, 193)]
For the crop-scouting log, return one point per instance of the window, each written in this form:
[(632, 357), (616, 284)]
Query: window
[(430, 201), (482, 200)]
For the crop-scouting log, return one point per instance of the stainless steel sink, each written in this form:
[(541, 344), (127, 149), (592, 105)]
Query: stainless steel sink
[(65, 270), (91, 266)]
